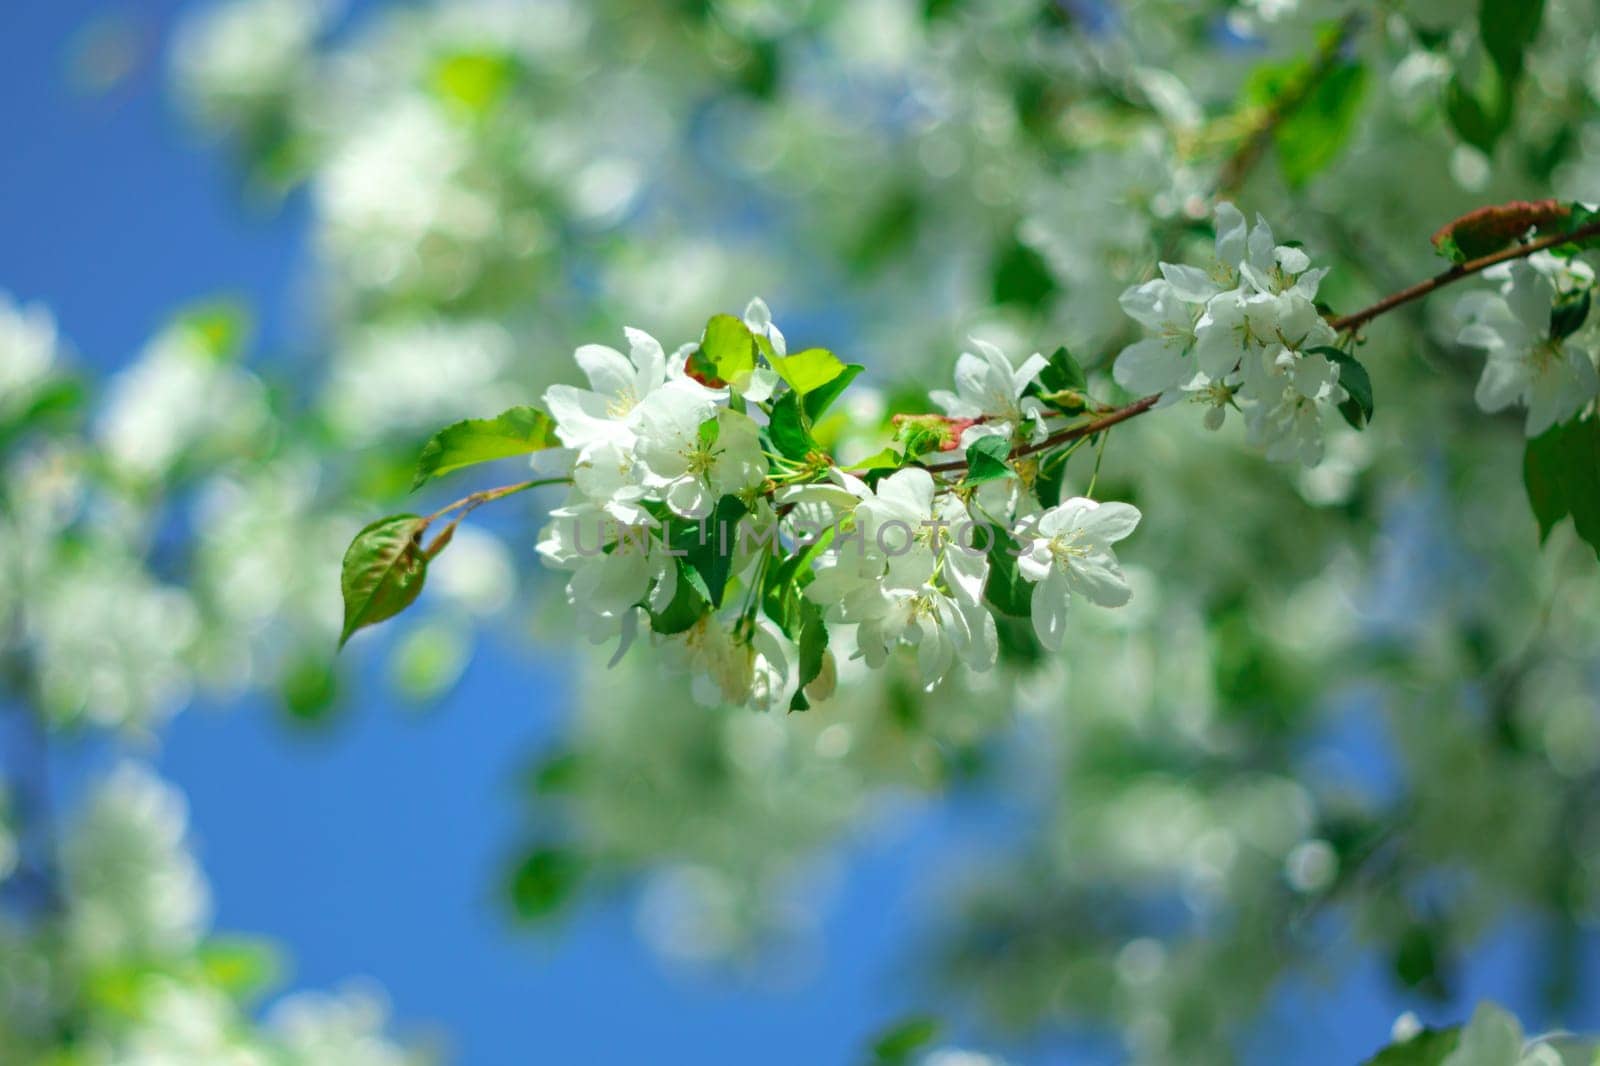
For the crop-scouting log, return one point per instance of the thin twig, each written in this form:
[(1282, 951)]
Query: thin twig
[(1355, 321)]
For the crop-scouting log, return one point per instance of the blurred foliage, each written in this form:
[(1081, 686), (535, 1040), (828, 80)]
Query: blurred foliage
[(1350, 712)]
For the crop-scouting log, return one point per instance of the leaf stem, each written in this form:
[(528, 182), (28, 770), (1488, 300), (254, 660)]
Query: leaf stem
[(467, 504)]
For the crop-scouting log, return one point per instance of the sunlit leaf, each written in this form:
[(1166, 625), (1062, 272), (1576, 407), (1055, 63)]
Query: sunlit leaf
[(519, 431)]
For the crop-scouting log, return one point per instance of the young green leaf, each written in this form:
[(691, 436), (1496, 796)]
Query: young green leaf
[(821, 398), (1005, 588), (519, 431), (808, 371), (887, 459), (383, 571), (813, 645), (1063, 373), (987, 460), (790, 429), (728, 349)]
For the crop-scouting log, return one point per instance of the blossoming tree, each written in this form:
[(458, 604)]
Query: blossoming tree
[(1263, 484)]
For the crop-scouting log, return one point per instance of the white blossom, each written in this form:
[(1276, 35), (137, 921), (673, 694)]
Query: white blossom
[(693, 453), (1239, 333), (1525, 365), (1067, 552), (615, 569), (990, 390)]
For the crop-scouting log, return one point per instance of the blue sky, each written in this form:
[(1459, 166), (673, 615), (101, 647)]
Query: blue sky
[(376, 849)]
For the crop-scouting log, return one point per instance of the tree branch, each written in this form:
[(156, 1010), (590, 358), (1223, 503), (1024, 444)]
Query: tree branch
[(1360, 318), (1344, 324)]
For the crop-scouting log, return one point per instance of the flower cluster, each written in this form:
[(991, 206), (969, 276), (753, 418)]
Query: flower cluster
[(1245, 333), (706, 508), (1530, 332), (703, 508)]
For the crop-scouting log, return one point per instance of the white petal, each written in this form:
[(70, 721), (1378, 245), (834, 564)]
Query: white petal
[(1107, 523), (689, 497), (757, 316), (1149, 366), (1023, 376), (649, 361), (580, 415), (1501, 385), (1530, 298), (1034, 564), (1189, 283), (1099, 579), (1231, 234), (609, 371), (1050, 601)]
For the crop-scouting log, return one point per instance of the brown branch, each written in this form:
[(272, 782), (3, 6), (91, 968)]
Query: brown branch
[(1360, 318), (1083, 429)]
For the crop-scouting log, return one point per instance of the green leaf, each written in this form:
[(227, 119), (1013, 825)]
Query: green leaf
[(809, 370), (383, 571), (789, 428), (1316, 131), (1021, 277), (1507, 28), (1561, 470), (1475, 122), (887, 459), (820, 399), (813, 645), (309, 687), (1357, 410), (896, 1045), (519, 431), (713, 559), (690, 602), (1063, 373), (1568, 316), (727, 350), (544, 882), (988, 460), (240, 966), (1430, 1047), (1005, 587), (474, 82)]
